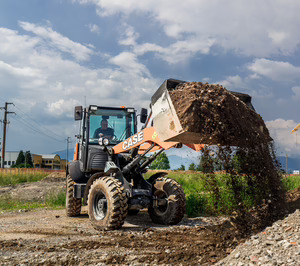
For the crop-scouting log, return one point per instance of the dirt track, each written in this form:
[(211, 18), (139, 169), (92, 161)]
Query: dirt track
[(48, 237)]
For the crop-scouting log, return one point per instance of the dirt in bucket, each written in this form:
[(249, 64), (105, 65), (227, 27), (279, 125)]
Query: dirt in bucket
[(217, 115)]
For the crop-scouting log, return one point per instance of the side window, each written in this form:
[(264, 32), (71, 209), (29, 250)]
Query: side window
[(94, 124)]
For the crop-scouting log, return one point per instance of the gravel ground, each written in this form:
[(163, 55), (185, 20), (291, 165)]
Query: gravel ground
[(276, 245), (48, 237)]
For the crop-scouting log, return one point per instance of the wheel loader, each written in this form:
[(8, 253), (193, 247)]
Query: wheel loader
[(107, 173)]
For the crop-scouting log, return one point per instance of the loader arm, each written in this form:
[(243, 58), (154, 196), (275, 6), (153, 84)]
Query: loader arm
[(145, 139)]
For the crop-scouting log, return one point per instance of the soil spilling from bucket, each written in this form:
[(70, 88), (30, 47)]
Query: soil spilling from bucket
[(217, 115), (242, 149)]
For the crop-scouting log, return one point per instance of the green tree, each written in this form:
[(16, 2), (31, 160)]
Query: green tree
[(192, 167), (161, 162), (182, 167), (20, 159), (28, 159)]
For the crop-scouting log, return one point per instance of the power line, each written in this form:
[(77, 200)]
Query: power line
[(39, 125), (35, 128), (24, 122)]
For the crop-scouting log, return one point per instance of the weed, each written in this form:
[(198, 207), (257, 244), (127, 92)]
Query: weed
[(54, 200), (291, 182), (13, 179)]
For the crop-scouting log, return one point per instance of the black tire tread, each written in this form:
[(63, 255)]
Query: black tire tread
[(119, 203), (177, 212), (73, 205)]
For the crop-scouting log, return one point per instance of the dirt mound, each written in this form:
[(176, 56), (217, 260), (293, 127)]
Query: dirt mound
[(33, 191), (219, 116), (293, 200), (54, 176)]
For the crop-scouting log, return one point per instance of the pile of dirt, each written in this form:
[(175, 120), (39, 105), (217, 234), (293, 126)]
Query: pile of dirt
[(217, 115), (243, 149), (54, 176), (34, 191)]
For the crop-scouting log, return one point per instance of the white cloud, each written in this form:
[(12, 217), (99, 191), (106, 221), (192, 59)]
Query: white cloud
[(94, 28), (58, 41), (176, 52), (232, 82), (128, 62), (129, 36), (275, 70), (17, 71), (45, 84), (253, 28), (62, 107), (280, 131)]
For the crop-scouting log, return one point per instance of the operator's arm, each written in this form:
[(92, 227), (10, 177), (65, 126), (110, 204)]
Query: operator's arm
[(110, 133), (96, 134)]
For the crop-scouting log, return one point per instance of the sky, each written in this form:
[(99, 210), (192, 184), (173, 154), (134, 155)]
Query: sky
[(57, 54)]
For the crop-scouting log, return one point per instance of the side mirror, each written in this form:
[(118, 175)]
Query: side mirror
[(144, 115), (78, 113)]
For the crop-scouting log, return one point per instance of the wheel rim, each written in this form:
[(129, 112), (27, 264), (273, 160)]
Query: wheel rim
[(100, 206), (162, 195)]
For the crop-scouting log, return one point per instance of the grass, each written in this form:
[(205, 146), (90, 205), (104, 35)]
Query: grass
[(13, 179), (54, 200), (291, 182), (205, 195)]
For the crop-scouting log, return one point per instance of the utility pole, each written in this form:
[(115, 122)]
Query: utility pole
[(5, 122), (286, 164), (68, 139)]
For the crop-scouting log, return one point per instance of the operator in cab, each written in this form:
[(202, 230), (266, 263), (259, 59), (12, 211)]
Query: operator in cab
[(104, 129)]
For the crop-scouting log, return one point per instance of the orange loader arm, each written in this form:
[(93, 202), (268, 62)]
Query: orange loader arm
[(147, 137)]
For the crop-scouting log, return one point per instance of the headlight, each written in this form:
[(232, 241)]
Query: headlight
[(103, 141), (130, 110)]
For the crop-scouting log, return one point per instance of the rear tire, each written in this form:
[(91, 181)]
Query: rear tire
[(73, 205), (107, 204), (173, 211)]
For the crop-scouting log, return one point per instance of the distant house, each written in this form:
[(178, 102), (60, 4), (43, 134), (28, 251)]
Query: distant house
[(296, 172), (10, 158), (48, 161), (37, 160)]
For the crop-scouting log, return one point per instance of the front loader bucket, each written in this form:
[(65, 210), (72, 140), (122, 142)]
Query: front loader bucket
[(165, 119)]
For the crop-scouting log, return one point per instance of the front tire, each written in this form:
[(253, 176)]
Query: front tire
[(73, 205), (107, 204), (172, 207)]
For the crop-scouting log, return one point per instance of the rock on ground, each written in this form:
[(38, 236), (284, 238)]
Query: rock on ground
[(278, 244)]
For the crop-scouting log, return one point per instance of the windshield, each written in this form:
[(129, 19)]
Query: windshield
[(116, 125)]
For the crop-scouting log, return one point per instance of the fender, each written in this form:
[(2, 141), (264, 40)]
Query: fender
[(152, 178)]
